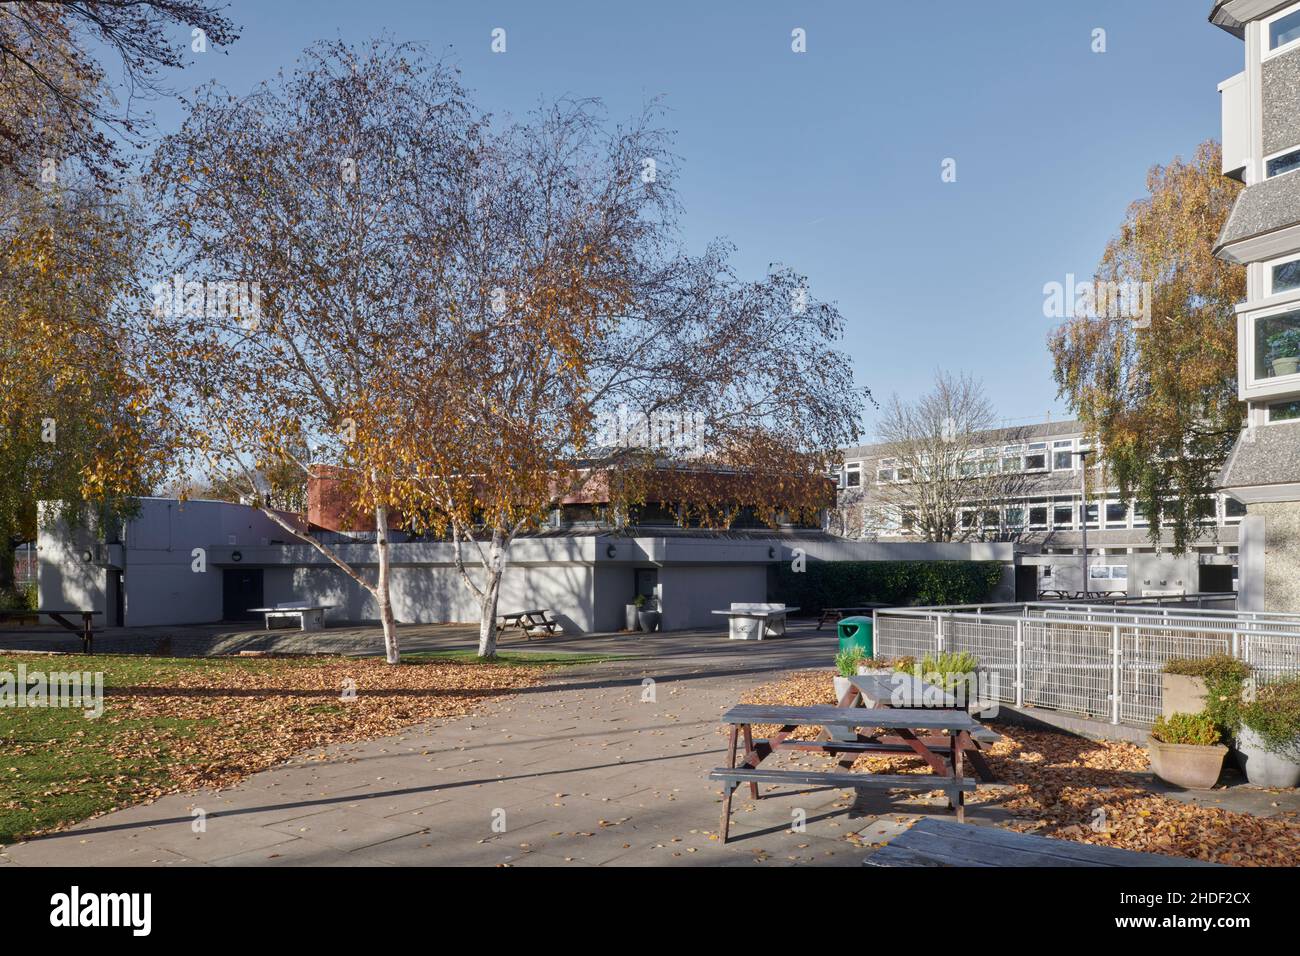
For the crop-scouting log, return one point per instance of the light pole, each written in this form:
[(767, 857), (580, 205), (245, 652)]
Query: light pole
[(1083, 454)]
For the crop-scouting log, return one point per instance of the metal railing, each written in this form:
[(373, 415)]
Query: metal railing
[(1102, 663)]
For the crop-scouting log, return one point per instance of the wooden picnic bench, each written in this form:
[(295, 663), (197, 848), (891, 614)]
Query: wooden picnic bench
[(943, 843), (85, 630), (900, 689), (835, 613), (953, 729), (539, 619)]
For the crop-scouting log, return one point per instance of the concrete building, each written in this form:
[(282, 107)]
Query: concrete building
[(1261, 148), (1045, 517)]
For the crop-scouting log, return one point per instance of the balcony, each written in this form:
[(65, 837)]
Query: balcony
[(1236, 126)]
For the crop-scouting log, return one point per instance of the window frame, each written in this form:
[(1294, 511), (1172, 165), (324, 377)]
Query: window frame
[(1279, 154), (1270, 265), (1267, 30)]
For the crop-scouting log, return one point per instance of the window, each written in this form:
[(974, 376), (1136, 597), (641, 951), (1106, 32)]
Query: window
[(1089, 515), (1233, 510), (1284, 276), (1204, 510), (1284, 411), (1063, 515), (1038, 514), (1277, 345), (909, 519), (1015, 517), (904, 474), (1140, 519), (1062, 455), (1013, 458), (966, 468), (1116, 514), (853, 475), (1283, 30), (885, 470), (1036, 457), (1281, 163)]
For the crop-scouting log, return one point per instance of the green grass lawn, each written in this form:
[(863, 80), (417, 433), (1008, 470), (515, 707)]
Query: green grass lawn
[(58, 767)]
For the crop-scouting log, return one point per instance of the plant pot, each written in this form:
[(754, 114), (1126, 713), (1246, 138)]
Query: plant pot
[(842, 685), (1263, 767), (872, 670), (649, 620), (1190, 766), (629, 611), (1286, 366), (1180, 694)]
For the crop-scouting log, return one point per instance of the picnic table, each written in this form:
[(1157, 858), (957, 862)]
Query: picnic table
[(943, 843), (835, 613), (900, 689), (929, 733), (539, 619), (311, 617), (85, 630), (761, 620)]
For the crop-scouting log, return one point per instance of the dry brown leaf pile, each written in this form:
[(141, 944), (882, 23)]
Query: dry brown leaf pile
[(1089, 791)]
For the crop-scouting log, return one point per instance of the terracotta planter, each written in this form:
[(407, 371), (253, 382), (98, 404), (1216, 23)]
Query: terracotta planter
[(1263, 767), (1180, 694), (1190, 766)]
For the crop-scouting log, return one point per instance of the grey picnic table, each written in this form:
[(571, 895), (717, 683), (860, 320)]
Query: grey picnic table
[(900, 689), (85, 631), (929, 733), (944, 843)]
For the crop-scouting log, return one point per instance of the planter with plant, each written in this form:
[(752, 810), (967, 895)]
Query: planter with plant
[(1185, 750), (646, 614), (1189, 685), (1268, 743), (1284, 351), (846, 665)]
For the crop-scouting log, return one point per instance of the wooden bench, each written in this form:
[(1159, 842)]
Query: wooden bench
[(921, 731), (86, 630), (943, 843), (538, 619)]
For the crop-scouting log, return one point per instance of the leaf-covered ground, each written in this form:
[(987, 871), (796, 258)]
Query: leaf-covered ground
[(176, 724), (1077, 789)]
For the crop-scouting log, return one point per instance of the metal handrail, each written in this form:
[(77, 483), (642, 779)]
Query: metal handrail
[(1011, 621)]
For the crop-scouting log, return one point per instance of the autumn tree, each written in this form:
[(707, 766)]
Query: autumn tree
[(58, 62), (1161, 398), (572, 303), (76, 421), (316, 203), (944, 462)]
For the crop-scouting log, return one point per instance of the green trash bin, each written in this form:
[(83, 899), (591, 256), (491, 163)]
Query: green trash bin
[(855, 634)]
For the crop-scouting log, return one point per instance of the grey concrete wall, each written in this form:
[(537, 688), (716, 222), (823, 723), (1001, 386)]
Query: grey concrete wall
[(1251, 563), (689, 595), (1281, 94), (1281, 520), (64, 580)]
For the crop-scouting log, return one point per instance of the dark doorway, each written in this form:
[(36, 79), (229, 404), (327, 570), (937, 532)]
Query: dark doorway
[(115, 605), (1215, 577), (1026, 582), (647, 583), (241, 588)]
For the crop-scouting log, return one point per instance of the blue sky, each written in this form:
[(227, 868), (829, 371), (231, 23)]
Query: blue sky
[(829, 161)]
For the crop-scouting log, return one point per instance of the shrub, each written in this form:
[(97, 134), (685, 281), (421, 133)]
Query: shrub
[(1224, 677), (896, 583), (1274, 714), (1198, 729), (846, 661), (22, 599), (947, 670)]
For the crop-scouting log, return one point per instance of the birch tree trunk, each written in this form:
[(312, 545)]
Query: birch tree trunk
[(487, 626), (391, 652)]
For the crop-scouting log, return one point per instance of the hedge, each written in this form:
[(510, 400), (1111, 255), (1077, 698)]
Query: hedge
[(897, 583)]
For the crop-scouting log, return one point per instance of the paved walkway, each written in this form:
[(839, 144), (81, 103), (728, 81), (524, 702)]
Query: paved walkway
[(592, 768)]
